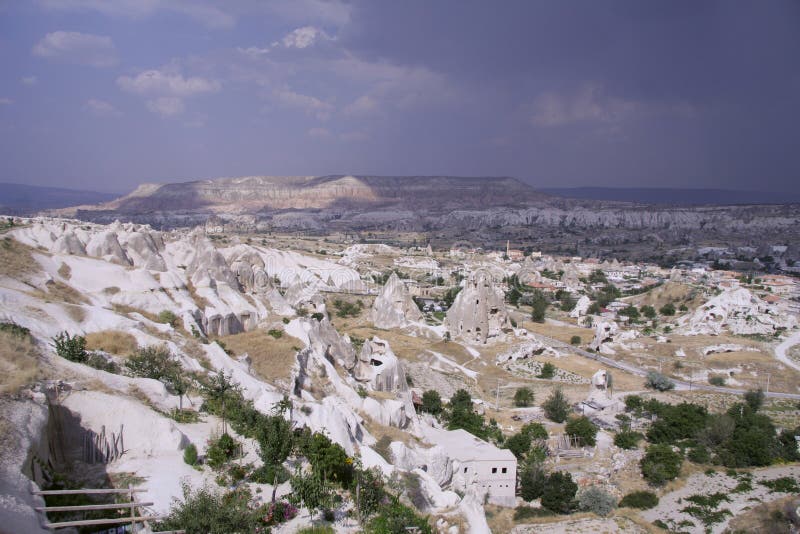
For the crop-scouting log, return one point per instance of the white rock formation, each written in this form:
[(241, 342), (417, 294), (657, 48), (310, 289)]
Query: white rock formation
[(528, 349), (394, 307), (581, 307), (607, 332), (478, 313), (737, 311), (379, 366)]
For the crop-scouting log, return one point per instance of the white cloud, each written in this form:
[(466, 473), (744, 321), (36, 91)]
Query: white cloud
[(253, 52), (5, 101), (203, 12), (28, 80), (362, 105), (76, 47), (166, 89), (319, 132), (163, 83), (166, 106), (589, 103), (303, 37), (101, 108), (310, 104)]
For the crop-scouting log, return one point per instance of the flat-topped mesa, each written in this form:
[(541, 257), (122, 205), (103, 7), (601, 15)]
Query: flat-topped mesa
[(394, 307), (478, 314)]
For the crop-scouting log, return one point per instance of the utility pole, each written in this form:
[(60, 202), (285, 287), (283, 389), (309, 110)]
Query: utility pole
[(768, 376)]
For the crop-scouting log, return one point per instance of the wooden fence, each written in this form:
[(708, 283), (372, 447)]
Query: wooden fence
[(101, 448), (131, 519)]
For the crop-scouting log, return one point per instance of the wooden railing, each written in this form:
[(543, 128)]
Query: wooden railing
[(131, 519)]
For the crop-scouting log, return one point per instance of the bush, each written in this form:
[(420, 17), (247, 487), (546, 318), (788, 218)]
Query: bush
[(275, 333), (535, 430), (717, 380), (548, 371), (72, 348), (397, 518), (190, 454), (627, 439), (660, 464), (167, 317), (154, 362), (270, 474), (575, 340), (220, 451), (519, 444), (595, 499), (643, 500), (98, 361), (699, 455), (523, 397), (559, 493), (754, 398), (667, 309), (556, 406), (206, 511), (657, 381), (583, 429), (432, 402)]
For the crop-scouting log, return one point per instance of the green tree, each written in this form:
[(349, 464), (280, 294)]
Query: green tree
[(556, 407), (519, 444), (754, 399), (658, 381), (219, 389), (559, 493), (596, 500), (631, 312), (432, 402), (532, 480), (583, 429), (648, 311), (155, 362), (575, 340), (534, 430), (523, 397), (311, 491), (548, 371), (627, 439), (275, 440), (538, 305), (667, 309), (660, 464)]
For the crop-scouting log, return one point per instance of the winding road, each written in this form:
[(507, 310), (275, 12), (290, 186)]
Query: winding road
[(780, 353)]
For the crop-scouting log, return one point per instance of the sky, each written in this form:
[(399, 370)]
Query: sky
[(107, 94)]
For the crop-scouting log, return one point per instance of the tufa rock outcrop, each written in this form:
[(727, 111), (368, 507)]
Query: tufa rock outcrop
[(394, 307), (478, 313)]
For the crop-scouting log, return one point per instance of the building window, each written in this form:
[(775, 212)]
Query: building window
[(465, 469), (494, 470), (505, 470)]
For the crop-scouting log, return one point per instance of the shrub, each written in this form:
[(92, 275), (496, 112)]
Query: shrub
[(154, 362), (699, 455), (362, 392), (595, 499), (220, 451), (279, 512), (627, 439), (660, 464), (575, 340), (167, 317), (206, 511), (548, 371), (648, 311), (285, 320), (275, 333), (754, 398), (270, 474), (782, 485), (676, 422), (556, 406), (347, 309), (98, 361), (559, 493), (583, 429), (432, 402), (535, 430), (667, 309), (657, 381), (643, 500), (397, 518), (523, 397), (72, 348), (717, 380), (190, 454)]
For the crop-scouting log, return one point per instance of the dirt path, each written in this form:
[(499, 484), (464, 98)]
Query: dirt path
[(780, 350)]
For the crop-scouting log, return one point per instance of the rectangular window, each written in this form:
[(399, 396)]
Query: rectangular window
[(465, 469), (494, 470), (505, 470)]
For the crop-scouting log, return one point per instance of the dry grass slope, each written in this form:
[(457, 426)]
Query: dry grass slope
[(112, 341), (16, 259), (19, 362)]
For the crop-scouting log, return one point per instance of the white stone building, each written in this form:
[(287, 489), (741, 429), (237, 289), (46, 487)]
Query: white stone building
[(481, 464)]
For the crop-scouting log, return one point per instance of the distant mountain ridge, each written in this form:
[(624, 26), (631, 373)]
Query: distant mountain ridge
[(674, 196), (24, 199)]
